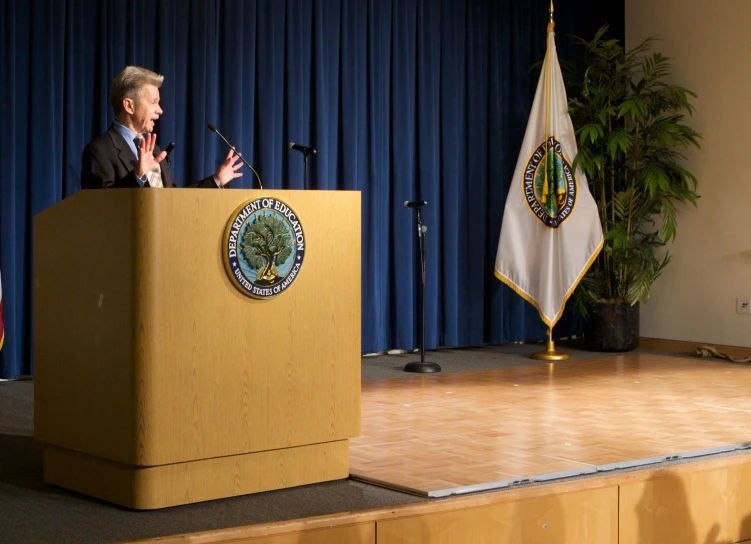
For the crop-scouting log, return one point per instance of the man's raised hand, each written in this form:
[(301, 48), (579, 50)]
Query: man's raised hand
[(146, 159), (228, 170)]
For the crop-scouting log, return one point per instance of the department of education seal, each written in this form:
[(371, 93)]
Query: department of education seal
[(264, 247), (550, 197)]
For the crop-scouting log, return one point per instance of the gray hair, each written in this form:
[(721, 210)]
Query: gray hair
[(129, 84)]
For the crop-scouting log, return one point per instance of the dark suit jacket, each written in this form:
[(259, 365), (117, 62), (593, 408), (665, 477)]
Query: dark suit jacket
[(108, 161)]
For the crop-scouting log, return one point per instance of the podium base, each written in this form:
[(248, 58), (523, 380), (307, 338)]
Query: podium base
[(162, 486), (422, 368)]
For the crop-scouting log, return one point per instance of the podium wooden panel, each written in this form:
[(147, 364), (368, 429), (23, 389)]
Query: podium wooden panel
[(157, 382)]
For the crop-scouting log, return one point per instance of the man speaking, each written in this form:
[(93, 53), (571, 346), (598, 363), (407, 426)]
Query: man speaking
[(127, 155)]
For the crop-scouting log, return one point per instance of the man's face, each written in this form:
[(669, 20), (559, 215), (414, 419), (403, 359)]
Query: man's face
[(145, 110)]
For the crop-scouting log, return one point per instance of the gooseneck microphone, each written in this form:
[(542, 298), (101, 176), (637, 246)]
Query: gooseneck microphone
[(415, 204), (212, 128), (304, 149)]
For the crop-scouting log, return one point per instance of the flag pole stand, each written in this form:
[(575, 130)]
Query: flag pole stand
[(550, 354), (422, 366)]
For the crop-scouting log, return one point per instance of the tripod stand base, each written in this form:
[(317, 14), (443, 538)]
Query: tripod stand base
[(423, 368)]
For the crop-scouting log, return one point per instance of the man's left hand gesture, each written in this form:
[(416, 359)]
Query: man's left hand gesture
[(228, 170)]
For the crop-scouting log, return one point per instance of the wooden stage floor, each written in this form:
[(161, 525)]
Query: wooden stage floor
[(443, 434)]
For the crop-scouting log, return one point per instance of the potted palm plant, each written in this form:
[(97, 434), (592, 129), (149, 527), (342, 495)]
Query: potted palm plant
[(631, 129)]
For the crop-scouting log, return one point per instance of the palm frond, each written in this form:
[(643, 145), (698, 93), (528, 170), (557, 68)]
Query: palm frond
[(631, 126)]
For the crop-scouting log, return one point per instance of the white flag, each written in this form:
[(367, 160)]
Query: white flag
[(551, 231)]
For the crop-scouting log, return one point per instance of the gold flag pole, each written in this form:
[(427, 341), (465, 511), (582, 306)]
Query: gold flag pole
[(546, 186), (550, 354)]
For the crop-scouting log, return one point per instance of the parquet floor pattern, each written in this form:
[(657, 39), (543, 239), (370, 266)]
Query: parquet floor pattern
[(428, 433)]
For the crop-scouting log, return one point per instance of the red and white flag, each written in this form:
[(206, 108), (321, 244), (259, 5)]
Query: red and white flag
[(2, 326)]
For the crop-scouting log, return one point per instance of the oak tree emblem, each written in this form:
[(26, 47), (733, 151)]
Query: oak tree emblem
[(266, 244)]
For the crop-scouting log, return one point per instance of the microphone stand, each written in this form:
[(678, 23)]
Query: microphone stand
[(306, 152), (305, 178), (422, 366)]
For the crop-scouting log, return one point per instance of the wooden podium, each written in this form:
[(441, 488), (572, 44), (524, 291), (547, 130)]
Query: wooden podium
[(159, 383)]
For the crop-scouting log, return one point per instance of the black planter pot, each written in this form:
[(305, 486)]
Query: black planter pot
[(612, 327)]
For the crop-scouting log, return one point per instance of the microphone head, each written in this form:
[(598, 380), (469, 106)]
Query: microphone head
[(291, 145), (406, 203), (170, 147), (212, 127)]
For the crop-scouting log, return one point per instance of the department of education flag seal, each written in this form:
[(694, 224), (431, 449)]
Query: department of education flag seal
[(549, 185)]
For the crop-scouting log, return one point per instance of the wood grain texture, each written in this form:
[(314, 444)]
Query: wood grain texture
[(705, 506), (439, 432), (148, 355), (491, 503), (352, 534), (202, 480), (84, 314), (588, 517), (251, 375)]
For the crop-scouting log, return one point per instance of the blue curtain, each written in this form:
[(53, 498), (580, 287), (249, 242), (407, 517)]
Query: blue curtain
[(403, 99)]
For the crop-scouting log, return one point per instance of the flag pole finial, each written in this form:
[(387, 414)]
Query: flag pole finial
[(551, 23)]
